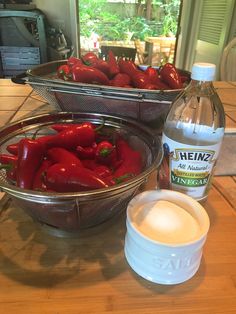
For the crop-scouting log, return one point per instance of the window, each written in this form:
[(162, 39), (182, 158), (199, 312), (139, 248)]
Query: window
[(117, 22)]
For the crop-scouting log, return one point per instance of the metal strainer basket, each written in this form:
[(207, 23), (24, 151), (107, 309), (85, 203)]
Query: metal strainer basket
[(147, 106), (75, 211)]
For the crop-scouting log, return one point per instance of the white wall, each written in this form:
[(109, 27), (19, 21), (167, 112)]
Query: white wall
[(61, 14)]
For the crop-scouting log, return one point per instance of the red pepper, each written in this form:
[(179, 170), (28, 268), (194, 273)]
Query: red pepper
[(154, 78), (101, 65), (38, 182), (30, 156), (113, 65), (72, 61), (9, 163), (79, 135), (62, 155), (67, 178), (170, 75), (128, 67), (64, 72), (105, 153), (8, 159), (131, 160), (184, 79), (87, 74), (12, 148), (44, 139), (87, 152), (121, 80), (89, 57), (103, 171), (63, 126), (140, 80), (90, 163)]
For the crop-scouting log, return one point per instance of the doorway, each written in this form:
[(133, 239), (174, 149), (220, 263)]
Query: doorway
[(151, 26)]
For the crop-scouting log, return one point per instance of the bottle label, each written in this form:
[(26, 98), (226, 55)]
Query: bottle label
[(186, 168)]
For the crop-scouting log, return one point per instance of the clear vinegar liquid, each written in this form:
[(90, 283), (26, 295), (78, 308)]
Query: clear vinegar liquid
[(196, 118)]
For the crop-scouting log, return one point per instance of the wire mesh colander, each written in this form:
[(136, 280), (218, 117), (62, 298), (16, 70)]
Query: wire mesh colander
[(75, 211), (147, 106)]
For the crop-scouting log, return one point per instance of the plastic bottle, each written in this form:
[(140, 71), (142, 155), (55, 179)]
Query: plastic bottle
[(192, 135)]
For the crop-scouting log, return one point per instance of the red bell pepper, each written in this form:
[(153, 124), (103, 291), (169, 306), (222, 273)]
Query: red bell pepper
[(79, 135), (30, 156), (67, 178), (90, 75), (170, 75), (62, 155)]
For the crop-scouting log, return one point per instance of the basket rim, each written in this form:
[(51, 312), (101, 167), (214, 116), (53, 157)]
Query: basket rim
[(34, 76), (99, 193)]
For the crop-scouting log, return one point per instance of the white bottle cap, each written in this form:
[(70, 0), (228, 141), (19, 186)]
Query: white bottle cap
[(203, 71)]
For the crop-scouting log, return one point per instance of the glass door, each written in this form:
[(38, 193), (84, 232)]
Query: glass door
[(150, 26)]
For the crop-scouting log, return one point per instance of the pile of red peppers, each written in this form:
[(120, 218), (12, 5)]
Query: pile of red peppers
[(78, 157), (120, 73)]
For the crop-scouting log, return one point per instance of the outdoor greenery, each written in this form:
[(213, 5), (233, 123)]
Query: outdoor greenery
[(97, 16)]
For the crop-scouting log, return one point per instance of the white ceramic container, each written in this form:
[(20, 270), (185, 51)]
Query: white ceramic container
[(161, 261)]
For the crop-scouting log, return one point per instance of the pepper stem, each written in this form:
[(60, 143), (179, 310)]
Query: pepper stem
[(6, 166), (122, 178)]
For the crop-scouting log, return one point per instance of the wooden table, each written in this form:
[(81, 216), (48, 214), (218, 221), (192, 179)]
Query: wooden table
[(43, 274)]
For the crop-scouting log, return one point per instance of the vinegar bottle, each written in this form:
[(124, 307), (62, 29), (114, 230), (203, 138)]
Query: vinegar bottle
[(192, 136)]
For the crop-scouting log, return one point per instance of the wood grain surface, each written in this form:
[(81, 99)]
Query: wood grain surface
[(88, 273)]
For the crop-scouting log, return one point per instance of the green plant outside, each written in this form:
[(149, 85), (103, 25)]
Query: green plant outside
[(95, 17)]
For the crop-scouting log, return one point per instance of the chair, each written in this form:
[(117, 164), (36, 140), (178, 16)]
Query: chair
[(141, 53), (128, 53), (228, 62), (163, 53)]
